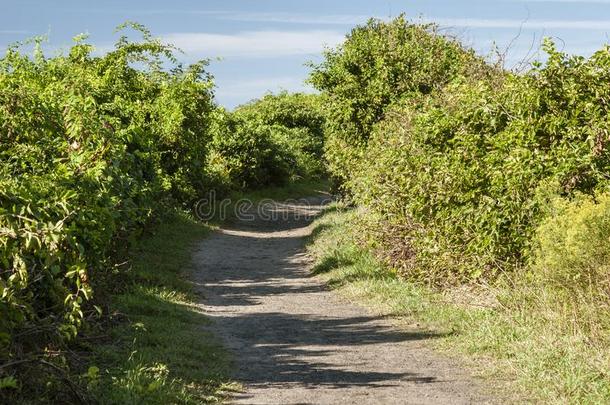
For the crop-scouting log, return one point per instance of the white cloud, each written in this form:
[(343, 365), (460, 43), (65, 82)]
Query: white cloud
[(331, 19), (279, 17), (258, 86), (354, 19), (531, 24), (255, 43), (13, 32)]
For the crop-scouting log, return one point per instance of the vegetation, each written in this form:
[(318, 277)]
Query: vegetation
[(472, 184), (378, 65), (297, 122), (246, 155), (480, 161), (556, 350), (94, 150), (268, 142), (487, 187), (161, 355), (457, 175)]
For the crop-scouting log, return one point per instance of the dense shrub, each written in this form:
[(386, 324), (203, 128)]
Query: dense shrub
[(453, 157), (297, 125), (244, 155), (91, 148), (466, 169), (269, 141), (494, 178), (290, 110), (378, 64)]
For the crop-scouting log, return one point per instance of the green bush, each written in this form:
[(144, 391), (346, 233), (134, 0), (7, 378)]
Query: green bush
[(297, 125), (244, 155), (92, 148), (459, 175), (378, 64), (290, 110), (452, 156), (269, 141)]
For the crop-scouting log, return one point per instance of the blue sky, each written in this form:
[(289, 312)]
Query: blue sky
[(265, 43)]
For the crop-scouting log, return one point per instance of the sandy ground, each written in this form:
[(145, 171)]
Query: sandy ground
[(296, 342)]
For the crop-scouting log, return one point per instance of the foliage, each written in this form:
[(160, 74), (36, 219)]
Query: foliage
[(270, 141), (487, 177), (92, 147), (290, 110), (296, 121), (378, 64), (244, 155), (456, 176), (465, 173), (572, 254), (161, 354)]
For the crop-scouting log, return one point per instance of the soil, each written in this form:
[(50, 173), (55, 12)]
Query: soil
[(294, 341)]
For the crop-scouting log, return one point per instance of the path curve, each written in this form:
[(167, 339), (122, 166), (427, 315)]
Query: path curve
[(296, 342)]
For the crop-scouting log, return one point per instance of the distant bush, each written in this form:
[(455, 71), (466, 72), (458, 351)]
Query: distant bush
[(290, 110), (297, 125), (245, 155), (269, 141)]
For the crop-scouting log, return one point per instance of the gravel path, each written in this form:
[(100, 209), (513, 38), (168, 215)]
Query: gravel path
[(296, 342)]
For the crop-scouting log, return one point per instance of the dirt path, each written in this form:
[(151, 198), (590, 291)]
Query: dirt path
[(295, 342)]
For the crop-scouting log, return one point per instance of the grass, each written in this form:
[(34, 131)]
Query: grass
[(157, 351), (532, 346)]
